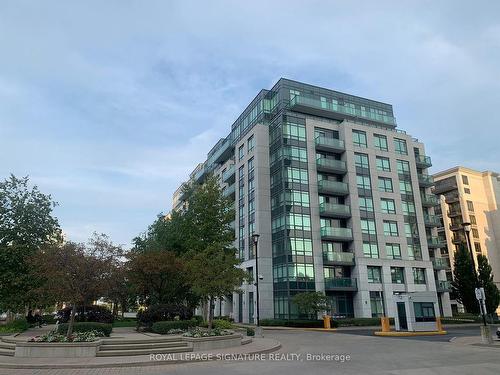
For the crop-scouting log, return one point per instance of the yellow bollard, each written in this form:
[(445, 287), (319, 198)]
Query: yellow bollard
[(439, 325), (384, 321), (326, 321)]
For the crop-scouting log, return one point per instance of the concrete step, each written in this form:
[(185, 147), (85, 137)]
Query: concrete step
[(7, 345), (115, 353), (149, 345), (7, 352)]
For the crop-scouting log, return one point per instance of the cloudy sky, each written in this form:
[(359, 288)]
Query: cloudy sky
[(108, 105)]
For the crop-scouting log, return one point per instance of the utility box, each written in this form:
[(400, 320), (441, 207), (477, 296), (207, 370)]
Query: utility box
[(416, 311)]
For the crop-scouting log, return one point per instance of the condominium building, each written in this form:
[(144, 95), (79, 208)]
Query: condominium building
[(341, 199), (470, 196)]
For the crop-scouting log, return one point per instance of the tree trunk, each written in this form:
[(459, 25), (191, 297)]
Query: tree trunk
[(71, 320), (210, 313)]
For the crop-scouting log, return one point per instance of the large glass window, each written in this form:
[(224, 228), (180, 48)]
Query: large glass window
[(296, 153), (370, 250), (398, 275), (366, 204), (294, 131), (424, 311), (368, 226), (363, 182), (377, 304), (380, 142), (419, 275), (374, 274), (297, 175), (405, 187), (250, 143), (241, 152), (383, 164), (387, 206), (470, 206), (408, 208), (400, 146), (390, 228), (298, 221), (403, 167), (361, 160), (385, 184), (414, 252), (300, 246), (359, 138), (393, 250), (297, 198)]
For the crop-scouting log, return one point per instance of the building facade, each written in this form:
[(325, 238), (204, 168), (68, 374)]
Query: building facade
[(470, 196), (341, 200)]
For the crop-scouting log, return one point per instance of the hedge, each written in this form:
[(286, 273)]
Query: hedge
[(296, 323), (18, 325), (163, 327), (105, 328), (361, 322)]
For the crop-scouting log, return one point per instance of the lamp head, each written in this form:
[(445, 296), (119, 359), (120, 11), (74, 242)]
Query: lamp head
[(255, 238), (466, 226)]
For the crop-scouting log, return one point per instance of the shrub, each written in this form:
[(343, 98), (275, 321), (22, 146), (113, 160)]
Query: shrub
[(225, 317), (199, 319), (165, 327), (250, 331), (92, 313), (18, 325), (222, 324), (361, 322), (49, 318), (198, 332), (88, 336), (161, 313), (104, 328)]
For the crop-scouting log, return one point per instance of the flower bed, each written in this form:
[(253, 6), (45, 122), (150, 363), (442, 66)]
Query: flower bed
[(89, 336)]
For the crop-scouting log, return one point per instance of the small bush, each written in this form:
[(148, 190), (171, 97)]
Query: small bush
[(105, 328), (18, 325), (93, 313), (222, 324), (161, 313), (199, 319), (250, 331), (165, 327)]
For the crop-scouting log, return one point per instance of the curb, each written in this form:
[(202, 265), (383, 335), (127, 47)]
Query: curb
[(409, 334), (276, 346)]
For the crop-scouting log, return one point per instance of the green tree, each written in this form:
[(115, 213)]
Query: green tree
[(464, 283), (486, 280), (26, 225), (311, 303)]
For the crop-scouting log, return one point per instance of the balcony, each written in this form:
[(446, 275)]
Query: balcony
[(425, 180), (457, 240), (454, 213), (334, 210), (336, 234), (229, 175), (443, 286), (445, 185), (423, 161), (456, 227), (333, 187), (329, 144), (229, 191), (435, 242), (429, 200), (431, 221), (453, 198), (331, 166), (338, 258), (441, 263), (341, 284), (317, 106)]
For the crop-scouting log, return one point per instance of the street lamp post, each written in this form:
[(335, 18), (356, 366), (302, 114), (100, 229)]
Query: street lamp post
[(255, 238), (467, 229)]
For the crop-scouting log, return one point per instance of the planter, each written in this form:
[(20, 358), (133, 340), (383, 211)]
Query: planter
[(213, 342), (57, 349)]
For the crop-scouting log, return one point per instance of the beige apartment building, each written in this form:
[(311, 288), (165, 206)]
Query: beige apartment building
[(470, 196)]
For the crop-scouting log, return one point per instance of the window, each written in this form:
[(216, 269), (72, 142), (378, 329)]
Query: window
[(472, 219), (414, 252), (300, 246), (385, 184), (361, 160), (297, 175), (411, 230), (405, 187), (398, 275), (408, 208), (250, 144), (424, 312), (467, 190), (475, 233), (294, 131), (390, 228), (383, 164), (296, 153), (363, 182), (377, 304), (374, 274), (366, 204), (359, 138), (380, 142), (465, 180), (393, 250), (297, 198), (299, 222), (419, 275), (368, 226), (470, 206), (241, 152), (370, 249), (403, 167), (477, 246), (400, 146), (387, 206)]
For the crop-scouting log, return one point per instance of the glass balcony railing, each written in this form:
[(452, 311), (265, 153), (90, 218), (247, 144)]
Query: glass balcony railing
[(340, 283), (333, 187), (331, 165), (423, 161), (454, 213), (340, 234), (441, 263), (229, 174), (334, 210), (443, 286), (230, 190), (301, 100), (330, 144), (338, 257), (425, 180), (431, 220), (435, 242), (429, 200)]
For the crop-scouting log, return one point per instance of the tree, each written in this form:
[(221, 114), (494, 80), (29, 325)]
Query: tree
[(311, 303), (77, 273), (464, 283), (486, 280), (26, 225)]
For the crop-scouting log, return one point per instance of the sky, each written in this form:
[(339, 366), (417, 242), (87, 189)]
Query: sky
[(109, 105)]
